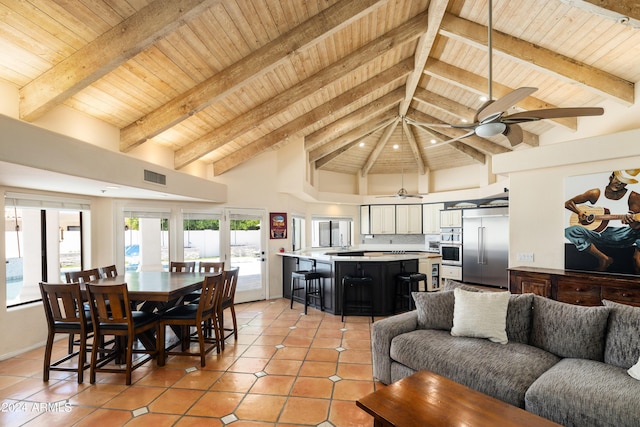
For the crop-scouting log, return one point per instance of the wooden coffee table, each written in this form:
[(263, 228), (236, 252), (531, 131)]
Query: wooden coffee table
[(427, 399)]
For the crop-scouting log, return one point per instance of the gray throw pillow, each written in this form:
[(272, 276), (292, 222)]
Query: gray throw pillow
[(623, 336), (519, 318), (450, 284), (568, 330), (435, 309)]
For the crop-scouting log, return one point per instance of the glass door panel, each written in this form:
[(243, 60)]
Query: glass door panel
[(246, 251)]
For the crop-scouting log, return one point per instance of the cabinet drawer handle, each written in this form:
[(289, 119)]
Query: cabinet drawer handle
[(578, 289), (625, 295)]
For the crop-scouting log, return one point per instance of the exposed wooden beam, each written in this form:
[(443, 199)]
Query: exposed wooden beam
[(106, 53), (446, 105), (415, 149), (216, 138), (277, 137), (624, 12), (545, 60), (364, 130), (478, 84), (263, 60), (373, 157), (353, 119), (469, 151), (435, 11)]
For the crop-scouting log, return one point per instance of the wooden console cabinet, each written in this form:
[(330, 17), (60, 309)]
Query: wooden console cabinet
[(575, 287)]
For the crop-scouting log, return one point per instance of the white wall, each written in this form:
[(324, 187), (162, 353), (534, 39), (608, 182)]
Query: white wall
[(537, 193)]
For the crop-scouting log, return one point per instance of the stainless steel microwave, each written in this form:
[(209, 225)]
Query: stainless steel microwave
[(451, 253)]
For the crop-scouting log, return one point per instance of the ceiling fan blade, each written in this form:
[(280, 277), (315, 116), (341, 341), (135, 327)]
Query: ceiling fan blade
[(458, 137), (504, 103), (553, 113), (415, 196), (514, 134)]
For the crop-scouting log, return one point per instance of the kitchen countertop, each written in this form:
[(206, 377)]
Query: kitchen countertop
[(378, 256)]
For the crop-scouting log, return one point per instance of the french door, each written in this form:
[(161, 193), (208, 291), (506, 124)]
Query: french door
[(243, 234)]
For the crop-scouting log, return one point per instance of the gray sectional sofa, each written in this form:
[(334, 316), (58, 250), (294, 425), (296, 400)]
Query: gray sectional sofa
[(564, 362)]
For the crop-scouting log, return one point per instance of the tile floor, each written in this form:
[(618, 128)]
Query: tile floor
[(286, 369)]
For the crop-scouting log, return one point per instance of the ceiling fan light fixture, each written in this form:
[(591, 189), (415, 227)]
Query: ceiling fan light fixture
[(490, 129)]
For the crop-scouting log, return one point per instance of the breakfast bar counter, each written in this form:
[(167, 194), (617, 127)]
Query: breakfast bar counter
[(382, 267)]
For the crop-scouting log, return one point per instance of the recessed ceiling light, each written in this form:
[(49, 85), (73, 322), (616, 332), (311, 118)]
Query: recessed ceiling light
[(465, 121), (361, 144), (396, 146), (433, 141), (483, 98), (112, 187)]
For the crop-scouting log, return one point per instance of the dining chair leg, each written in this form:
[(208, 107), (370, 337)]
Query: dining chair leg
[(47, 357), (160, 345)]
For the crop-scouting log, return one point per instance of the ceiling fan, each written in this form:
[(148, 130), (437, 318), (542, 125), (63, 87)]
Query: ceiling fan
[(490, 119), (402, 192)]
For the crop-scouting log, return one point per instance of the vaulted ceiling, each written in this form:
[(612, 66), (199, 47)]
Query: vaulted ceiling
[(222, 81)]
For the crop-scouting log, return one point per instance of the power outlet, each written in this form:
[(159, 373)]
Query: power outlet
[(525, 256)]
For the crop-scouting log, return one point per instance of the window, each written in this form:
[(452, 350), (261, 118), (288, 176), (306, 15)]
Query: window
[(297, 233), (332, 232), (43, 239), (201, 236), (146, 241)]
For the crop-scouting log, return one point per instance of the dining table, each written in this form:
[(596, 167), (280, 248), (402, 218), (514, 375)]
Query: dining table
[(155, 291)]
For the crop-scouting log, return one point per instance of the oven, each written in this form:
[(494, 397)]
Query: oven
[(451, 253)]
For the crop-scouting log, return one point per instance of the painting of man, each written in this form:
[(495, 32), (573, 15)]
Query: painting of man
[(604, 222)]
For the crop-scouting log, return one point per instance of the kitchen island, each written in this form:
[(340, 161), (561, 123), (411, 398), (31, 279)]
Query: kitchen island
[(381, 266)]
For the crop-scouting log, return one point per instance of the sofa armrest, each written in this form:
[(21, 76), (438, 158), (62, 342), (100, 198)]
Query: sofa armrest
[(382, 332)]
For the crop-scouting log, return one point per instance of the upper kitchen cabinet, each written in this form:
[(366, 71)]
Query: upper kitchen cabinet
[(451, 218), (383, 219), (431, 218), (408, 219), (365, 226)]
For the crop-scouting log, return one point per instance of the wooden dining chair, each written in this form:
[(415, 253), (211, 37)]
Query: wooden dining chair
[(228, 302), (82, 276), (197, 316), (211, 266), (108, 271), (111, 315), (182, 267), (65, 315)]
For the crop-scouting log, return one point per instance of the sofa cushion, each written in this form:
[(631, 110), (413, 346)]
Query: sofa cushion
[(435, 309), (569, 330), (503, 371), (519, 317), (480, 315), (622, 346), (579, 392)]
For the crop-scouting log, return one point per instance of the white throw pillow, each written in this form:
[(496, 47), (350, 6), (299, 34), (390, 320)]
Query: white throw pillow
[(480, 315), (634, 371)]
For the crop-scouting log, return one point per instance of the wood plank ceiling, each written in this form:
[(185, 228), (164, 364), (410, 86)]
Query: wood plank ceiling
[(223, 81)]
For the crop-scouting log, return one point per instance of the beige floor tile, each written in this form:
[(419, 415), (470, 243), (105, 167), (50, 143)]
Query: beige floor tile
[(302, 410)]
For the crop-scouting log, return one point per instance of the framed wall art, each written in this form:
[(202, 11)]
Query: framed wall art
[(278, 225)]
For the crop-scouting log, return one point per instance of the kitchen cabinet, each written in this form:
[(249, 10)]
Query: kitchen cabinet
[(408, 219), (431, 218), (383, 219), (365, 227), (575, 287), (451, 218)]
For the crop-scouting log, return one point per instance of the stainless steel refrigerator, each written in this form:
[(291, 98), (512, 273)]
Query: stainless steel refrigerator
[(485, 246)]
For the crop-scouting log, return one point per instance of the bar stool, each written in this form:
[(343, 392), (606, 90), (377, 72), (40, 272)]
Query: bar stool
[(361, 285), (407, 282), (309, 281)]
